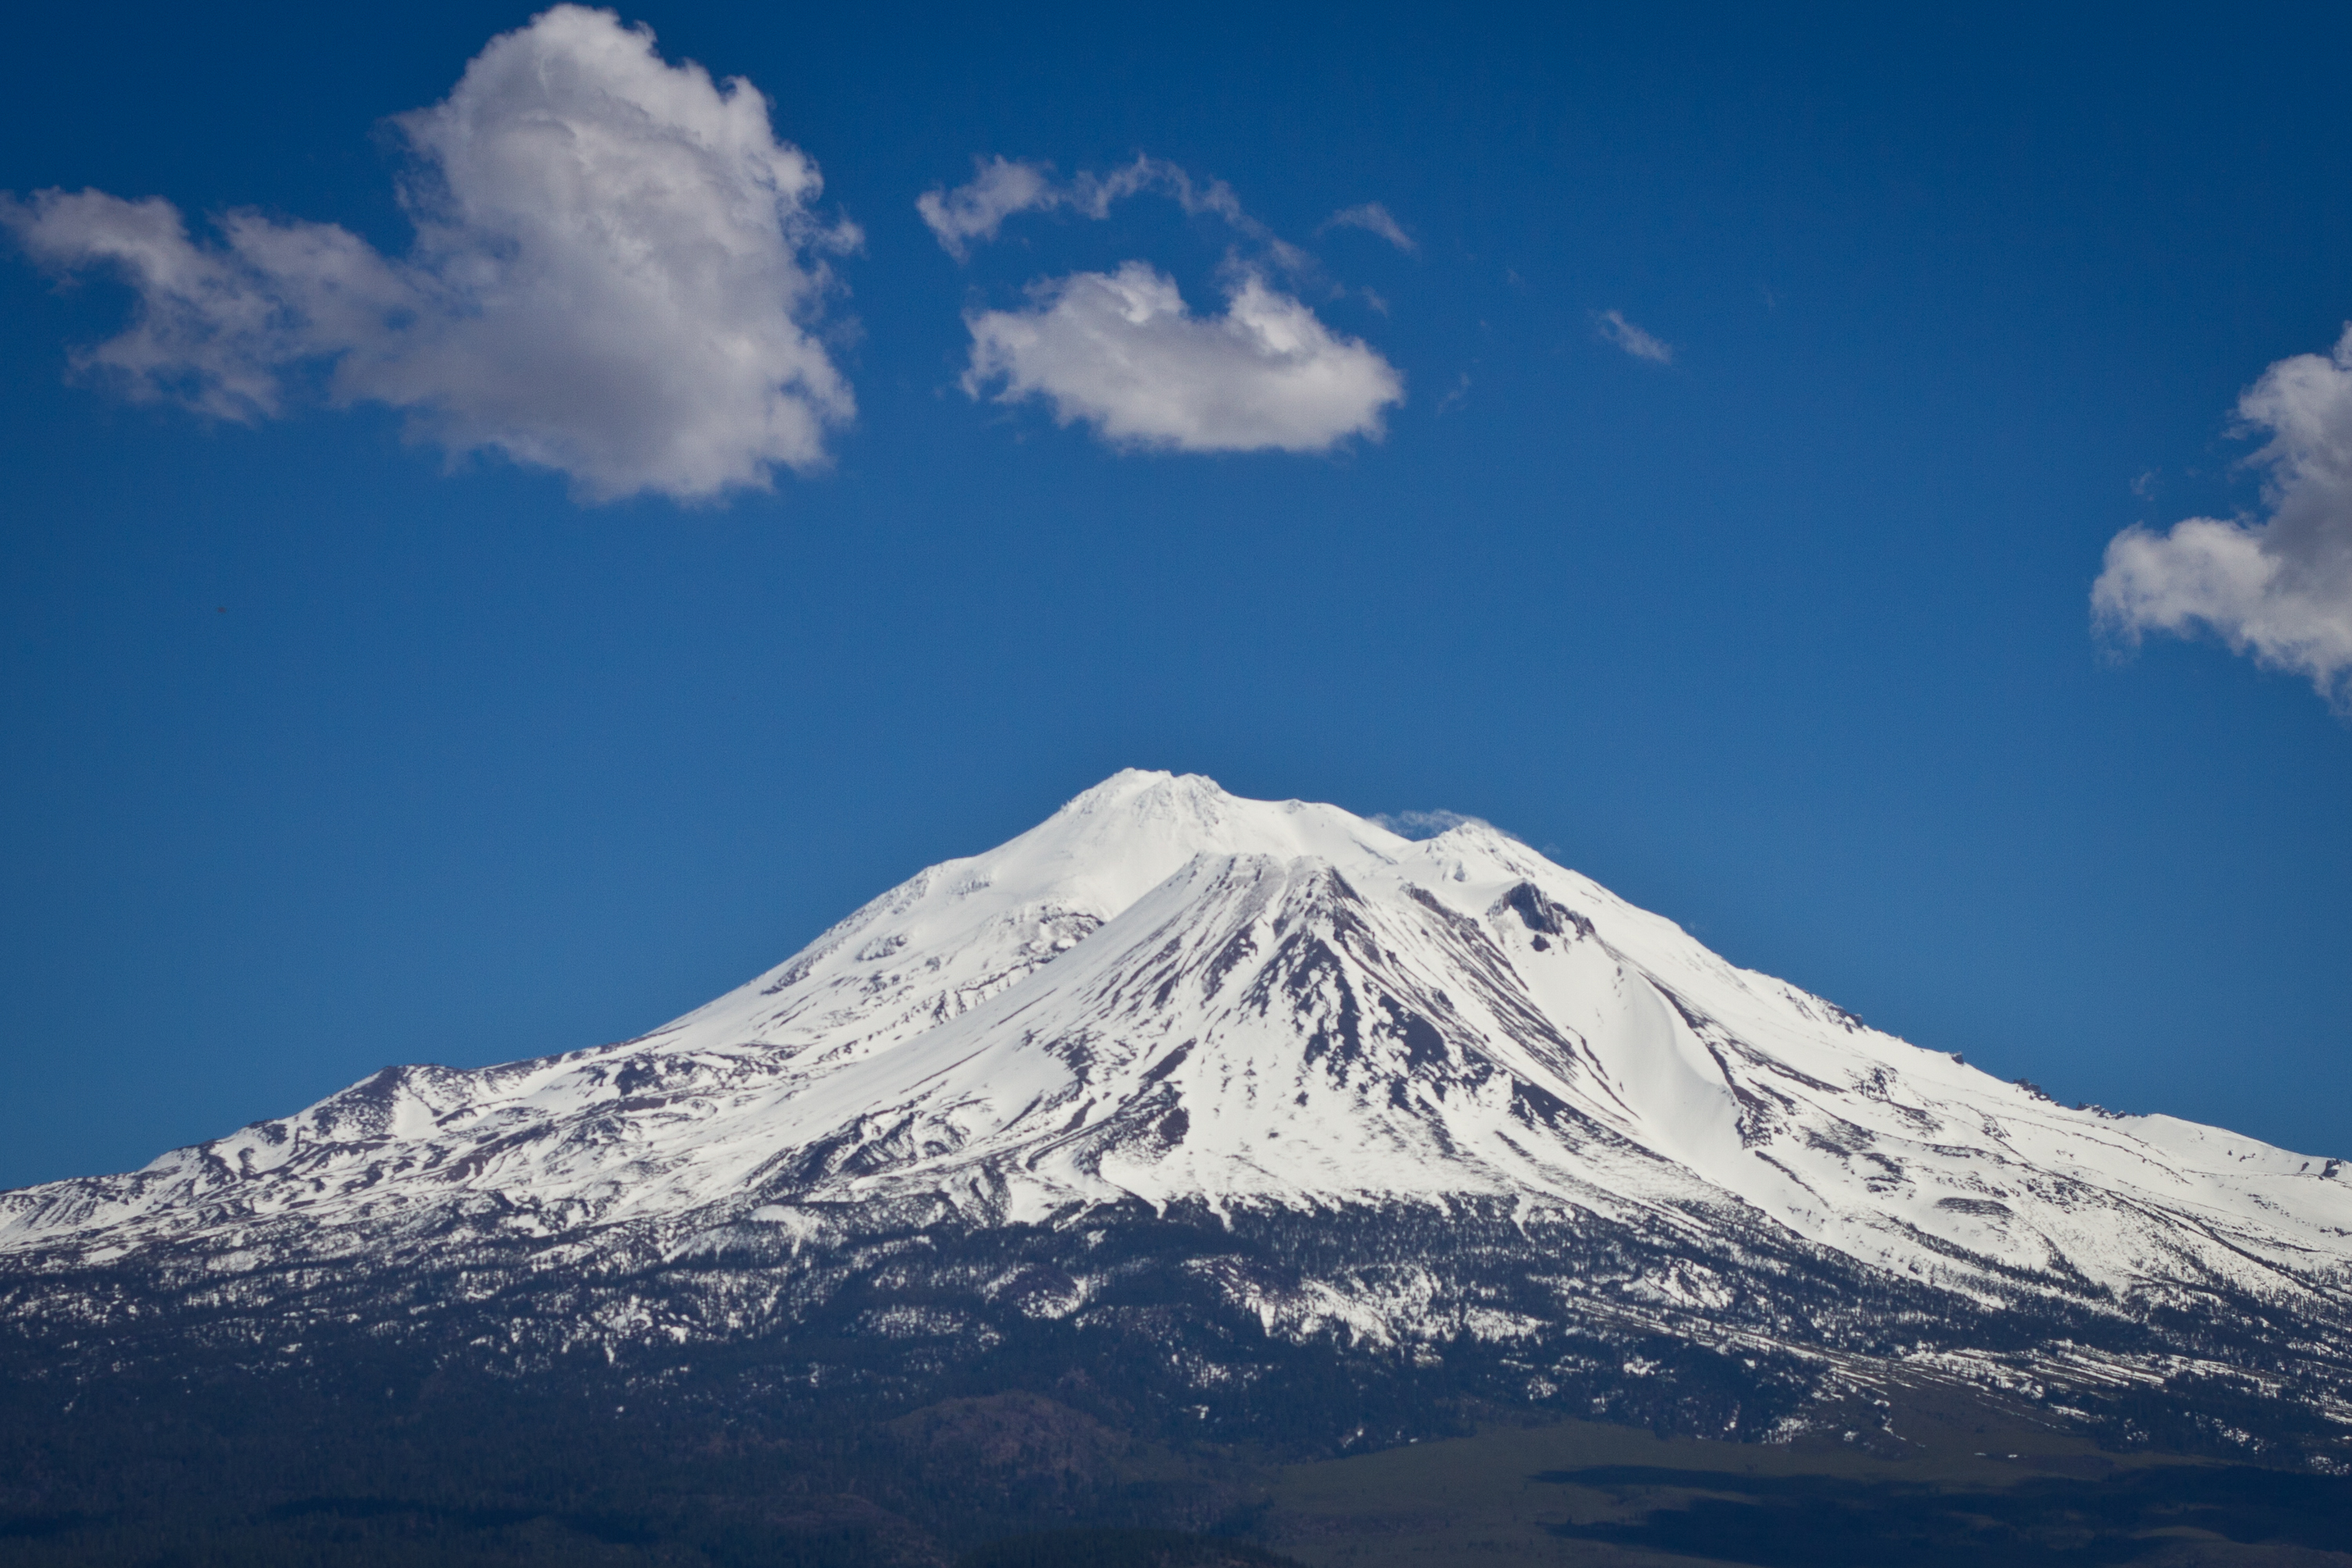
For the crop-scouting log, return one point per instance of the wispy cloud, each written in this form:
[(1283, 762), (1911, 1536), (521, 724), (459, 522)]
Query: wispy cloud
[(1373, 218), (1121, 351), (1001, 187), (2278, 587), (1614, 328), (618, 274), (976, 209), (1418, 825)]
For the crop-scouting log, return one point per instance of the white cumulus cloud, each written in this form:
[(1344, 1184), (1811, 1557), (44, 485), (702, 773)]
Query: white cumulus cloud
[(1614, 328), (1121, 351), (2278, 587), (617, 274)]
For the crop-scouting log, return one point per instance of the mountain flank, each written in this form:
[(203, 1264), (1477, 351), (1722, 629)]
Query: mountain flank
[(1184, 1125)]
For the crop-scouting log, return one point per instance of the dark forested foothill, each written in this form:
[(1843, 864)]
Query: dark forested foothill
[(393, 1466), (1121, 1549), (1834, 1522)]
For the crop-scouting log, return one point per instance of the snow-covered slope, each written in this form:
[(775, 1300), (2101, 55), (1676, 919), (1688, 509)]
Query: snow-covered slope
[(1166, 994)]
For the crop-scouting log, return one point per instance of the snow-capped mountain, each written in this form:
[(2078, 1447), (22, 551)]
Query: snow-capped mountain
[(1167, 1001)]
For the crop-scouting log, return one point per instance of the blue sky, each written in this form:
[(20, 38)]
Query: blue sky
[(1706, 480)]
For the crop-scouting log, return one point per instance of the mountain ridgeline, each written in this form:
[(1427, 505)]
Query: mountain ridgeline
[(1242, 1121)]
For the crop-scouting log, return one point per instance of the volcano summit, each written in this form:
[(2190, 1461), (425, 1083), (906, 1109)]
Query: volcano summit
[(1259, 1086)]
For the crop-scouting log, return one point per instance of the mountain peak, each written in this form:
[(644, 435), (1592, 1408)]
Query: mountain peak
[(1131, 781)]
